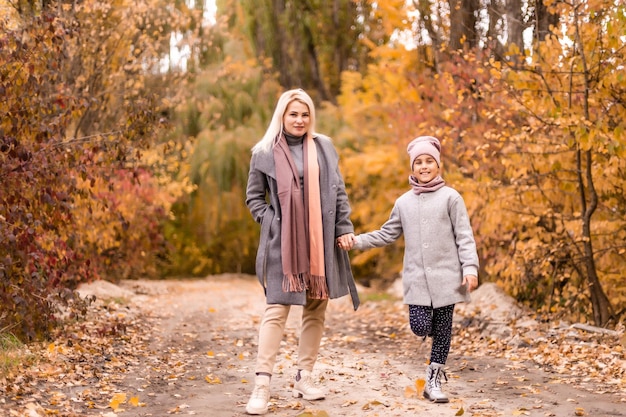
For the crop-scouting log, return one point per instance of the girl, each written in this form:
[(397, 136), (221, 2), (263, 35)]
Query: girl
[(440, 264)]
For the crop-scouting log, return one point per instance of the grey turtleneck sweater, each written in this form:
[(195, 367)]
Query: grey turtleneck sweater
[(295, 146)]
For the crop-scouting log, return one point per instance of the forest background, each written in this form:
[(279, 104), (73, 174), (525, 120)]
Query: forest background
[(126, 128)]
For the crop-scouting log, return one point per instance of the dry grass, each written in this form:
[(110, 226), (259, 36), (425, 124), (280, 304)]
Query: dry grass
[(9, 353)]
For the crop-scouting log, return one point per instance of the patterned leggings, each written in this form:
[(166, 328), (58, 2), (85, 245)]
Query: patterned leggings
[(435, 322)]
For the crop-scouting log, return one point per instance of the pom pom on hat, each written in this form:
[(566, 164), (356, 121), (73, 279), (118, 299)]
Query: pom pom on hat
[(424, 145)]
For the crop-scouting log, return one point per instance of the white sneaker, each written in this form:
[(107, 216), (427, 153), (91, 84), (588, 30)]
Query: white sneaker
[(257, 404), (432, 389), (306, 389)]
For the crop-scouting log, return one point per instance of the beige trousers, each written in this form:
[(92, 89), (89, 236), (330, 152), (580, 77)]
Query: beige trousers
[(272, 331)]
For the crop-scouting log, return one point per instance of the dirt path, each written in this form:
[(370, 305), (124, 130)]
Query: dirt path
[(200, 362), (188, 348)]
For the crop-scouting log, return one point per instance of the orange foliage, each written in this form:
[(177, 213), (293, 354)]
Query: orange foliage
[(514, 150), (77, 111), (564, 172)]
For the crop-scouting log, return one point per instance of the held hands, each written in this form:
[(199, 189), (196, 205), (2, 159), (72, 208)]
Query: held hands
[(471, 281), (346, 242)]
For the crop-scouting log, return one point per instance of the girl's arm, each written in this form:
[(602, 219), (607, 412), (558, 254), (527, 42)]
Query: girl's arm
[(387, 234)]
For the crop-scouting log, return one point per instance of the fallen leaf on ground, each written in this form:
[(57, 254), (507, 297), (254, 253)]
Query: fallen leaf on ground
[(419, 385), (212, 379), (117, 400), (313, 413)]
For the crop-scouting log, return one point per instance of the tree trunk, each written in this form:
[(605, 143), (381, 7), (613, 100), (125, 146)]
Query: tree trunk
[(463, 24), (314, 68), (472, 7), (602, 310), (309, 45), (543, 20), (514, 24), (495, 20)]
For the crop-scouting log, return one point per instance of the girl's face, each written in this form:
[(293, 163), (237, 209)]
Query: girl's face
[(296, 119), (425, 168)]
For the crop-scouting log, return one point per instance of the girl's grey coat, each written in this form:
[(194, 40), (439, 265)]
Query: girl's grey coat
[(335, 218), (439, 246)]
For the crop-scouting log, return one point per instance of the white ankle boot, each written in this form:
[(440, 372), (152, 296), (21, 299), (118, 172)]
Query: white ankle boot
[(257, 404), (305, 388), (432, 388)]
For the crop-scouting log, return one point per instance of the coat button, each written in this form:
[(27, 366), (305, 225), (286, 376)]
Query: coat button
[(425, 245)]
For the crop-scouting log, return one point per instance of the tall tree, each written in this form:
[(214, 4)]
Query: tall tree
[(544, 19), (473, 25), (515, 23), (84, 190), (542, 167), (572, 96), (310, 43), (463, 19)]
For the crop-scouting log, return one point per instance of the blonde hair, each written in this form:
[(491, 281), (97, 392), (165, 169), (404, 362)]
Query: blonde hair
[(276, 124)]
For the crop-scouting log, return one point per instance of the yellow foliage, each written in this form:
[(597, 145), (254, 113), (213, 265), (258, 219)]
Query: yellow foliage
[(514, 151), (392, 14), (9, 13)]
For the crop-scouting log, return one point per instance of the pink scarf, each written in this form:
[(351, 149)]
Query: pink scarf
[(302, 261), (433, 185)]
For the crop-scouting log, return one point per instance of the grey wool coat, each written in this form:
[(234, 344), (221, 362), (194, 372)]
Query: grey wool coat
[(439, 246), (262, 201)]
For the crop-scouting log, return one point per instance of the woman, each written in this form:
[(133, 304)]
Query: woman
[(297, 194)]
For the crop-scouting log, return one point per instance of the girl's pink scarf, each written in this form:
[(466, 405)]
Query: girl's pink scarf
[(433, 185), (302, 258)]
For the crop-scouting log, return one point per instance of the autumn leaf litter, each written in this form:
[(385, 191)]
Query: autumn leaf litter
[(83, 370)]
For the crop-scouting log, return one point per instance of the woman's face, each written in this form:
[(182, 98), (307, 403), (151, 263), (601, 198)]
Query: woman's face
[(297, 118)]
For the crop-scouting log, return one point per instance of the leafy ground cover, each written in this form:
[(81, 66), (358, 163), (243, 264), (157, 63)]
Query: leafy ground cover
[(156, 348)]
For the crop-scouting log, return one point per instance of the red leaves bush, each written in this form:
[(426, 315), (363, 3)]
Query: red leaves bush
[(52, 182), (35, 203)]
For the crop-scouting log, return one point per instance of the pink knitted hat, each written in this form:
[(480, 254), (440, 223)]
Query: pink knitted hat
[(424, 145)]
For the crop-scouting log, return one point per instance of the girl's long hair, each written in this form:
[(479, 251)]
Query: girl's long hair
[(276, 124)]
